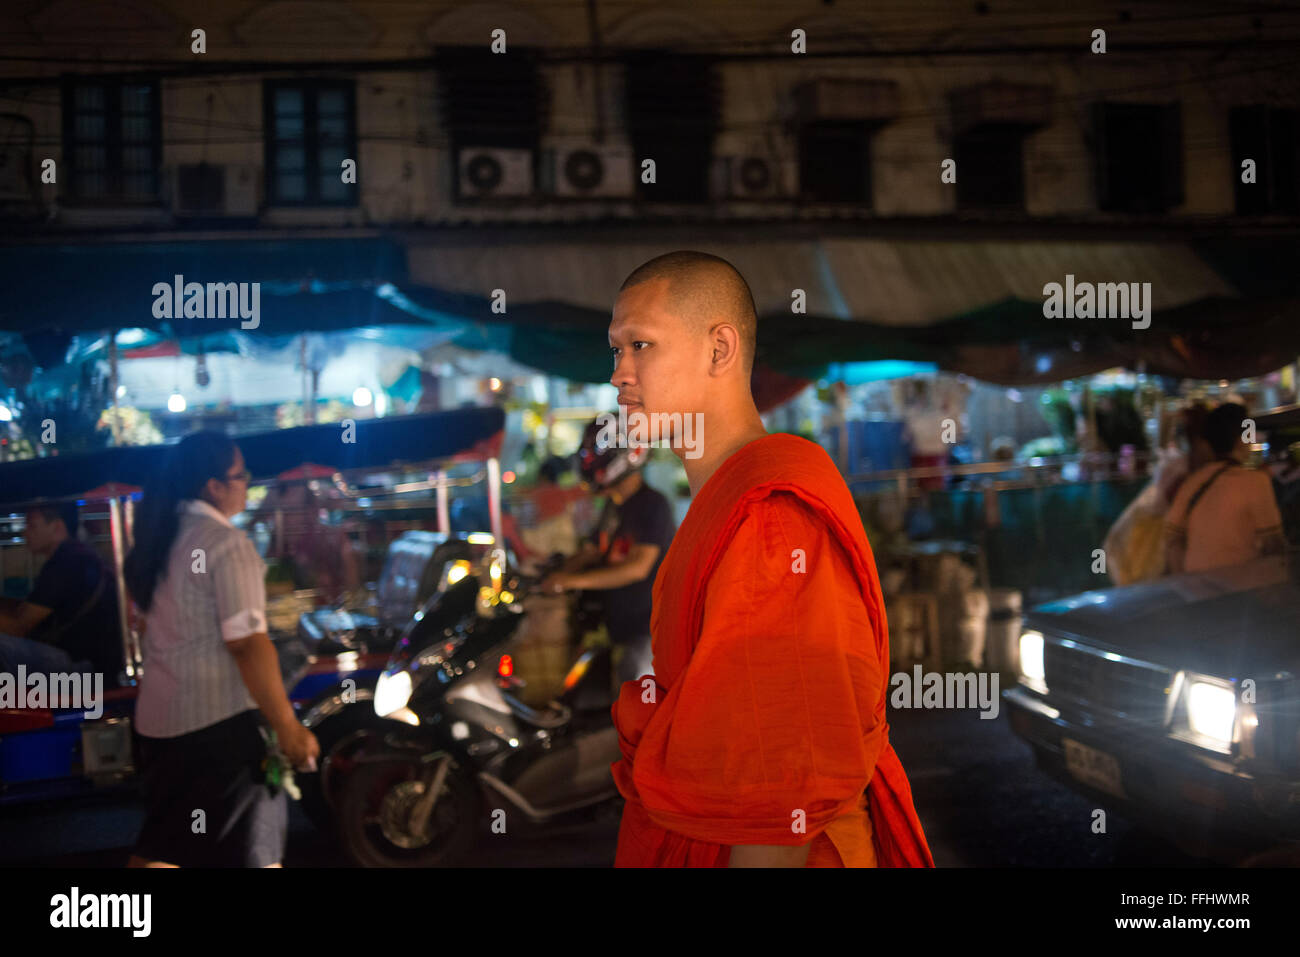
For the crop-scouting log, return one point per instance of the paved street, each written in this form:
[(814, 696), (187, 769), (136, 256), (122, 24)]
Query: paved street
[(979, 796)]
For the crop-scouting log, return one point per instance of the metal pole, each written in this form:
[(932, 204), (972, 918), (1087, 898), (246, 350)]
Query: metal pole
[(112, 387), (128, 522), (117, 534), (494, 500), (444, 514), (308, 393)]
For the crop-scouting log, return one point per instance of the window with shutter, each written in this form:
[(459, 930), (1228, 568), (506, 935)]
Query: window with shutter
[(990, 167), (112, 140), (673, 106), (488, 99), (1139, 157), (835, 161), (310, 129), (1269, 136)]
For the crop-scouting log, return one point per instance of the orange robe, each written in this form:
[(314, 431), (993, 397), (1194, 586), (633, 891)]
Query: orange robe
[(765, 720)]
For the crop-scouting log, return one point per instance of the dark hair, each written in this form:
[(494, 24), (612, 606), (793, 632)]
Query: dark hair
[(704, 285), (1194, 420), (553, 468), (65, 512), (190, 463), (1223, 428)]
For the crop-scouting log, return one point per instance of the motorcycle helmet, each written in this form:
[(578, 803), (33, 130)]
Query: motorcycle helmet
[(601, 463)]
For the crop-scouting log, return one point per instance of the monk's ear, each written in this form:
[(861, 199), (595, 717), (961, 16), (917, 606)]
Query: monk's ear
[(724, 343)]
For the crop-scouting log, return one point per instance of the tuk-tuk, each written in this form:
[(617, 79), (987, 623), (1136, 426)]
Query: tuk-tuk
[(400, 469)]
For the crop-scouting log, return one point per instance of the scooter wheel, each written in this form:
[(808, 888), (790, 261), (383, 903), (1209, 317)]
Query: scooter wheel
[(339, 738), (374, 818)]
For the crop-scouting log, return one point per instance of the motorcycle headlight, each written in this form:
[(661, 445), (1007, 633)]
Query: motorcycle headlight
[(457, 570), (392, 692), (1211, 711)]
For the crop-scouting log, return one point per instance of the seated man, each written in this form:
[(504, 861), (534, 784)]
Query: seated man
[(69, 621)]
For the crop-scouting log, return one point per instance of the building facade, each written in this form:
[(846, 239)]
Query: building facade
[(898, 163)]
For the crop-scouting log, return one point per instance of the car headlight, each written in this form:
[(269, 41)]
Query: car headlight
[(1032, 671), (392, 692), (1211, 711)]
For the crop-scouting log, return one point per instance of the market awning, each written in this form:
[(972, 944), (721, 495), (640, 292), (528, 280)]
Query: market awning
[(329, 283), (886, 282), (1218, 310), (1221, 309), (473, 433)]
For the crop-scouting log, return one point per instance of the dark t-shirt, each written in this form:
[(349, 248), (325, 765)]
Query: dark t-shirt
[(65, 585), (646, 518)]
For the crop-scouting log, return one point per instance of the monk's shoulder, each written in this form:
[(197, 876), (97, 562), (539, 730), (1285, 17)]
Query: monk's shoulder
[(772, 459), (790, 522), (785, 520)]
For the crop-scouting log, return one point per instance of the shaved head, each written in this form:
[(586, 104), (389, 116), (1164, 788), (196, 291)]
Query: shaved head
[(704, 290)]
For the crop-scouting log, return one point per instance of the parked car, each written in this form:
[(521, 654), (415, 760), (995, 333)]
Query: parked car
[(1175, 702)]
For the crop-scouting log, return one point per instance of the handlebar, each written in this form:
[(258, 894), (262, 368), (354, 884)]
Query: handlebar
[(531, 583)]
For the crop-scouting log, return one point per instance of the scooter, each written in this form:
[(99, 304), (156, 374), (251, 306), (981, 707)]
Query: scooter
[(459, 753)]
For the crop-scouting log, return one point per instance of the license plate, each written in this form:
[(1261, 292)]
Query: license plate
[(1093, 767)]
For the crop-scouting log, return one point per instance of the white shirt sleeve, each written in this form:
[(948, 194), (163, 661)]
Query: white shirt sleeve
[(238, 580)]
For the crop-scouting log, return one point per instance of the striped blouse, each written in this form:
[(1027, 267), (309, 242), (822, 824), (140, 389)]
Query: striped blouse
[(213, 592)]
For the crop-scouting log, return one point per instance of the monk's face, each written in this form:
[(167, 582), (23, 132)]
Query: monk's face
[(661, 361)]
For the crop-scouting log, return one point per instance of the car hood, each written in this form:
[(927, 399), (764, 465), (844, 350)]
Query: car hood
[(1241, 621)]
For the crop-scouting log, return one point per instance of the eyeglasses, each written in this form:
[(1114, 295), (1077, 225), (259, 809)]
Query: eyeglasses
[(243, 475)]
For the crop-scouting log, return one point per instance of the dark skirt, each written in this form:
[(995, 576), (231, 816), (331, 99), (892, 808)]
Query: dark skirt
[(216, 770)]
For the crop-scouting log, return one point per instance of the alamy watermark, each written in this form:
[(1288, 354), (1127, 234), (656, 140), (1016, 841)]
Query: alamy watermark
[(1105, 300), (949, 690), (74, 909), (215, 300), (652, 430), (70, 690)]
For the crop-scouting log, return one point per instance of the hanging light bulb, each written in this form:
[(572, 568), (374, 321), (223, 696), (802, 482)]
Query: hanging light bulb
[(176, 401), (361, 396)]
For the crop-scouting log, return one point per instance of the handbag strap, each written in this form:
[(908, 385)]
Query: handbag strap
[(1204, 488)]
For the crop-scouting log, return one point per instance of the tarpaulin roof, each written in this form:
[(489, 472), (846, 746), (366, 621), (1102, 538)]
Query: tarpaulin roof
[(894, 282), (96, 286), (475, 432), (1220, 309)]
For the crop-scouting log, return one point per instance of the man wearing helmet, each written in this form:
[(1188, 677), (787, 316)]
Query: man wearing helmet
[(620, 559)]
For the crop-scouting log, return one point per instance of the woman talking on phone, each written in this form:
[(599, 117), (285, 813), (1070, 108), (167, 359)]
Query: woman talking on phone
[(211, 675)]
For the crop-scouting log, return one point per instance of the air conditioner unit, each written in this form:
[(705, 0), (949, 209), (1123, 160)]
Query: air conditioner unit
[(211, 189), (485, 172), (753, 176), (588, 169)]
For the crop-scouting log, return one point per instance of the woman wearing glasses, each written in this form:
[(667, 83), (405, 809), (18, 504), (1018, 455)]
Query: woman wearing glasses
[(211, 674)]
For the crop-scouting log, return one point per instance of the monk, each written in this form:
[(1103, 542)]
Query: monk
[(760, 740)]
